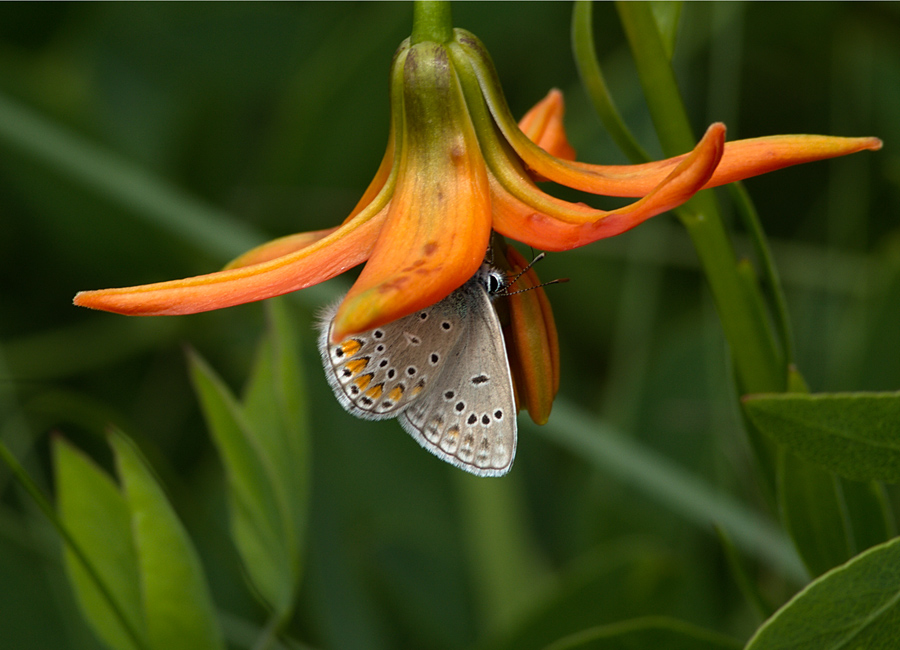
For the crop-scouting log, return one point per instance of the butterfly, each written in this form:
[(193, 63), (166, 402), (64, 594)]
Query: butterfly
[(441, 371)]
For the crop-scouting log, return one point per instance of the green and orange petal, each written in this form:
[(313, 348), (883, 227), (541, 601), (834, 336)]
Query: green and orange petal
[(524, 213), (741, 159), (439, 221)]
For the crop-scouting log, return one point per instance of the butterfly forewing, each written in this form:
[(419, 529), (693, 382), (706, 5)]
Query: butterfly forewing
[(378, 373), (469, 418)]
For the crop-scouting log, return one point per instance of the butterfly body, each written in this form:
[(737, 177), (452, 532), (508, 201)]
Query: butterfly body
[(442, 371)]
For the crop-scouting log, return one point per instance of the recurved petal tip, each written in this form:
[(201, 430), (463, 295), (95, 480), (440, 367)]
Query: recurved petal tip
[(755, 156), (543, 125), (873, 144)]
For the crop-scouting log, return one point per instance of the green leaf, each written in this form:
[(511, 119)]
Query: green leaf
[(177, 605), (264, 445), (813, 513), (856, 605), (275, 408), (257, 523), (643, 633), (852, 434), (99, 521)]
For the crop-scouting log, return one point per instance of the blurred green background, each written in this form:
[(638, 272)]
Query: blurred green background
[(146, 142)]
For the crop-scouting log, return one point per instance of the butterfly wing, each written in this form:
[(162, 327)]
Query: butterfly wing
[(468, 417), (377, 374)]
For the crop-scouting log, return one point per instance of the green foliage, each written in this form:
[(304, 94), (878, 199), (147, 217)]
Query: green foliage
[(154, 594), (98, 517), (810, 503), (854, 605), (645, 633), (145, 142), (263, 444), (856, 435)]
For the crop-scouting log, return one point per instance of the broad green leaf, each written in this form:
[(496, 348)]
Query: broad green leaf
[(644, 633), (855, 435), (177, 605), (257, 519), (99, 520), (813, 513), (259, 514), (275, 409), (856, 605)]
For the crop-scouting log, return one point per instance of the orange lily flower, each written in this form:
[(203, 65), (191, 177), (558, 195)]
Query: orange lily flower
[(457, 167)]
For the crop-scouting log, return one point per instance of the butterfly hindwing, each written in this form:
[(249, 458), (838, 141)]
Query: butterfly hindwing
[(469, 417)]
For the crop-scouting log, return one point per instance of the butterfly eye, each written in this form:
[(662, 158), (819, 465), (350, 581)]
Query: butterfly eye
[(494, 283)]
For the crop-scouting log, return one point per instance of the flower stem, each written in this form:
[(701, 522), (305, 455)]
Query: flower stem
[(431, 21), (759, 363)]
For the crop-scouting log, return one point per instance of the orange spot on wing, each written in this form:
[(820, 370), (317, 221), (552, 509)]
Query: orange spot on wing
[(357, 365), (363, 382)]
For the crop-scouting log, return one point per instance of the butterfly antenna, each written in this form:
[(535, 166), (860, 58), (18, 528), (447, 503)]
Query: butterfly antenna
[(537, 258)]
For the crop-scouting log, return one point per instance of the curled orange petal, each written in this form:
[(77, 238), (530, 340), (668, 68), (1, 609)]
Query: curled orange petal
[(331, 255), (742, 159), (543, 125), (521, 212), (532, 342)]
